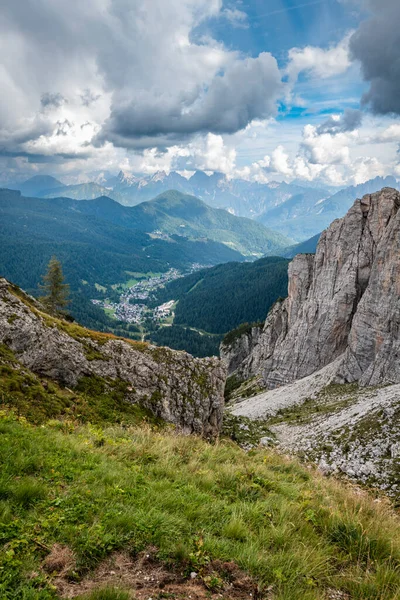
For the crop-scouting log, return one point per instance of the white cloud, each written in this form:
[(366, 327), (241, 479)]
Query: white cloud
[(318, 62), (366, 168), (280, 162), (236, 17), (215, 156), (326, 148), (390, 134), (333, 158), (131, 69), (133, 72)]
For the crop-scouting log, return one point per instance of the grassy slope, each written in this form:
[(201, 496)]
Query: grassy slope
[(101, 487), (101, 490)]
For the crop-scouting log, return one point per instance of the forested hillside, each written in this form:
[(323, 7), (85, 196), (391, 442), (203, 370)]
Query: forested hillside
[(178, 337), (219, 299), (174, 213), (92, 250)]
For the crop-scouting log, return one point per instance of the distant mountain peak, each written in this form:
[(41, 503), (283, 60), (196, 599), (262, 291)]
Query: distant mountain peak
[(36, 185), (43, 179), (126, 178), (158, 176), (199, 177)]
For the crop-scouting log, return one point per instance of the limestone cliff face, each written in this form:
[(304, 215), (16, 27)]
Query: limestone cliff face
[(343, 303), (173, 385)]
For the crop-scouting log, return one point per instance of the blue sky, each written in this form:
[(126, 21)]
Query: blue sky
[(256, 89), (278, 25)]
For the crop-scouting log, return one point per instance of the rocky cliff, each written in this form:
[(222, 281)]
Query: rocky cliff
[(343, 305), (329, 352), (173, 385)]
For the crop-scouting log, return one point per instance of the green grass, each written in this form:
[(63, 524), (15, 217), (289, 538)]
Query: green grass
[(246, 432), (106, 594), (98, 490), (124, 285), (37, 399)]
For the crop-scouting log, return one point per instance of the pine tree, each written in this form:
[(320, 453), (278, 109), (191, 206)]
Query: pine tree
[(56, 292)]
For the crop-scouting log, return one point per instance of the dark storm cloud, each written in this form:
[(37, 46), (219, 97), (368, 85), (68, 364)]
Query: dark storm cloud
[(141, 59), (54, 100), (376, 44), (38, 158), (247, 90), (11, 140), (349, 121), (88, 97)]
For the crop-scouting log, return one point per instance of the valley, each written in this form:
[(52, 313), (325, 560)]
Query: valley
[(193, 310), (200, 300), (100, 243), (132, 304), (119, 404)]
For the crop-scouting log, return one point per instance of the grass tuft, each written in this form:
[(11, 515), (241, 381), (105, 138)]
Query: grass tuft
[(28, 491), (106, 594)]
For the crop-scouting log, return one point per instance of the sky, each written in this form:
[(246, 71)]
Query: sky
[(262, 90)]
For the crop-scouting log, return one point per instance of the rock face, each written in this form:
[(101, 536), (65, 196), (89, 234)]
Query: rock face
[(343, 305), (359, 437), (176, 387)]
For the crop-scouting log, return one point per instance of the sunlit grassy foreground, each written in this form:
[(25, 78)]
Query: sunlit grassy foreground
[(96, 491)]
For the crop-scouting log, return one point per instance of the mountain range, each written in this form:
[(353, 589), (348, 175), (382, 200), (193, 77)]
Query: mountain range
[(306, 214), (174, 213), (101, 243), (92, 249), (298, 210)]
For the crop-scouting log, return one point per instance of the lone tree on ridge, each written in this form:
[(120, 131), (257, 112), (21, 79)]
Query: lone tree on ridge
[(55, 292)]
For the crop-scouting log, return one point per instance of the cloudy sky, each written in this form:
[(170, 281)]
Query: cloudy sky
[(259, 89)]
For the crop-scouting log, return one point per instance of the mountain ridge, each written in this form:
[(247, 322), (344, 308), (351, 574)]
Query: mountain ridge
[(324, 298), (93, 251), (329, 353), (298, 209), (174, 213)]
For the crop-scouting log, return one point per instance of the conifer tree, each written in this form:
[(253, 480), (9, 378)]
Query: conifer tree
[(56, 292)]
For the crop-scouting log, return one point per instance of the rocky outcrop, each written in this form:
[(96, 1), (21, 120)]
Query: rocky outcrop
[(357, 434), (176, 387), (343, 305), (345, 429)]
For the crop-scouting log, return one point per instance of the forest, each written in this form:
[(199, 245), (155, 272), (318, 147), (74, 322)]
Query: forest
[(184, 338), (219, 299)]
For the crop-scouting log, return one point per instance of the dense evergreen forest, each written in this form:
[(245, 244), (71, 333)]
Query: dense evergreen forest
[(184, 338), (219, 299)]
